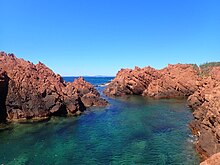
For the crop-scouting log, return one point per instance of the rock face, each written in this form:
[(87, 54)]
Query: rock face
[(31, 91), (128, 81), (3, 93), (201, 85), (213, 160), (173, 81), (206, 104)]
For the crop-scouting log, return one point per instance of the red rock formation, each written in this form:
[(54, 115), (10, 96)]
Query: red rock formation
[(213, 160), (206, 104), (172, 81), (88, 93), (3, 93), (200, 85), (175, 81), (35, 91), (128, 81)]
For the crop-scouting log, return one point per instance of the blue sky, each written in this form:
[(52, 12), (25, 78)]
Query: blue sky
[(98, 37)]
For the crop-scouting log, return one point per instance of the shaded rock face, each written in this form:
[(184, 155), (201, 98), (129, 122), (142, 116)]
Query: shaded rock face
[(35, 91), (3, 94), (172, 81), (88, 93), (206, 104)]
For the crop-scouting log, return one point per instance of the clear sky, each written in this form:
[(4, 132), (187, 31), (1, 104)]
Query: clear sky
[(98, 37)]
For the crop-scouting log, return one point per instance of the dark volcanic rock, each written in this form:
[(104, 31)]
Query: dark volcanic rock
[(35, 91)]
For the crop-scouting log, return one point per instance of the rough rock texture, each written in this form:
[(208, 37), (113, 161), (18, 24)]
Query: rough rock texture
[(3, 93), (172, 81), (200, 85), (35, 92), (175, 81), (88, 93), (213, 160), (206, 104), (128, 81)]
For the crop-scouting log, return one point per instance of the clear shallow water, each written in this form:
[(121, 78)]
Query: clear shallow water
[(133, 130)]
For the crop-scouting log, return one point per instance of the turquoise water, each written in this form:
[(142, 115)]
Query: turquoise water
[(133, 130)]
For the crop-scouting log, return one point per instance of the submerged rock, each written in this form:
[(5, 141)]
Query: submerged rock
[(34, 91)]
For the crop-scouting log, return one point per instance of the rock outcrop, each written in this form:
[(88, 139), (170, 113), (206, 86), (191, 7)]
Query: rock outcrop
[(173, 81), (206, 104), (3, 94), (31, 91), (128, 81), (213, 160), (201, 85)]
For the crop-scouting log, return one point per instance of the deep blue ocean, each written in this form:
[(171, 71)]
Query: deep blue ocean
[(131, 130)]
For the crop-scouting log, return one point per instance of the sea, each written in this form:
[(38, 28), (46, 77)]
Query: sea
[(130, 130)]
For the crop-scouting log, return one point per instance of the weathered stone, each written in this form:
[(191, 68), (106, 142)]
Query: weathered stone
[(213, 160), (200, 85), (206, 104), (173, 81), (34, 91)]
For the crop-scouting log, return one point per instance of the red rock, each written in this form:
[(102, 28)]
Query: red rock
[(89, 95), (35, 91), (3, 94), (128, 81), (173, 81), (213, 160), (200, 85), (206, 104)]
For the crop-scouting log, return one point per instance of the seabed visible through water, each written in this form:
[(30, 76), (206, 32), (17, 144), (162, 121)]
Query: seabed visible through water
[(132, 130)]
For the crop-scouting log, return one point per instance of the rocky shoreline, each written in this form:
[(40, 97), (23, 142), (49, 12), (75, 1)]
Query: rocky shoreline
[(201, 85), (35, 92)]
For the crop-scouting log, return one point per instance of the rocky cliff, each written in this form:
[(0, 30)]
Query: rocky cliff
[(201, 85), (206, 104), (31, 91), (173, 81)]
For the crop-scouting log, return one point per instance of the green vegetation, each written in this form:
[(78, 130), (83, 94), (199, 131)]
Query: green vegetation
[(195, 66), (204, 69), (209, 64)]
